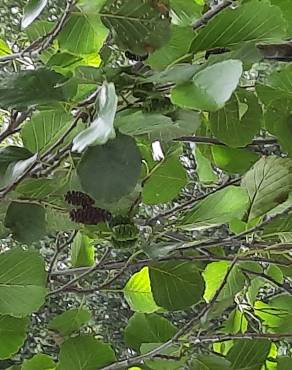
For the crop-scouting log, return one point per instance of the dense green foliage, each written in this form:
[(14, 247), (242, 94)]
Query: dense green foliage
[(149, 142)]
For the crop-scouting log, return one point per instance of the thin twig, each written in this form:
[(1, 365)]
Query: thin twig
[(77, 278), (59, 249), (225, 337), (284, 287), (189, 203), (117, 265), (35, 48), (214, 141)]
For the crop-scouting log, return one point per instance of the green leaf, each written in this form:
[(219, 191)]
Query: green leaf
[(209, 362), (136, 122), (233, 160), (83, 33), (44, 129), (276, 316), (218, 208), (27, 88), (165, 181), (254, 21), (102, 169), (276, 85), (12, 335), (215, 273), (4, 48), (268, 184), (284, 363), (248, 354), (85, 353), (101, 129), (39, 362), (285, 6), (82, 251), (138, 292), (185, 12), (148, 20), (150, 328), (239, 121), (31, 11), (26, 221), (236, 323), (70, 321), (176, 285), (164, 364), (22, 282), (210, 88), (156, 125), (178, 45), (204, 168), (278, 121)]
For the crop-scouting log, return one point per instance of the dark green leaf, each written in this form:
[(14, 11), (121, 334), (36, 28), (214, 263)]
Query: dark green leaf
[(239, 121), (28, 88), (268, 184), (39, 362), (210, 362), (22, 282), (70, 321), (12, 335), (102, 169), (178, 45), (284, 363), (148, 20), (165, 182), (254, 21), (218, 208), (144, 328), (248, 354), (26, 221), (85, 353), (44, 129), (176, 285)]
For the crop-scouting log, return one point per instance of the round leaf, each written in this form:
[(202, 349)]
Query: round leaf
[(210, 88), (108, 172), (176, 285)]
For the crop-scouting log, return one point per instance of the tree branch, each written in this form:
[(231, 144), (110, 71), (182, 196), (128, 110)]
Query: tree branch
[(211, 14), (77, 278), (189, 203), (214, 141), (44, 42), (225, 337), (118, 265), (139, 359)]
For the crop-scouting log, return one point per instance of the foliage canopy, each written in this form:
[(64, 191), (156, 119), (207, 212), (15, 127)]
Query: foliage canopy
[(159, 131)]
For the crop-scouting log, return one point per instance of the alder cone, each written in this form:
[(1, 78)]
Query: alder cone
[(89, 215), (78, 198)]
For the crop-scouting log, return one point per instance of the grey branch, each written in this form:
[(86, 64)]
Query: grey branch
[(211, 14)]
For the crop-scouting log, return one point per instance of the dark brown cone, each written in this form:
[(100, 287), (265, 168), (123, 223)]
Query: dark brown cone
[(77, 198), (89, 215)]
